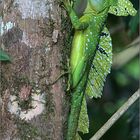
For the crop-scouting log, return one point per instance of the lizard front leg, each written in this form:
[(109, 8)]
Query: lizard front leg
[(77, 24)]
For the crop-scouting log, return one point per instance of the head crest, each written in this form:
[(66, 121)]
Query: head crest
[(123, 8)]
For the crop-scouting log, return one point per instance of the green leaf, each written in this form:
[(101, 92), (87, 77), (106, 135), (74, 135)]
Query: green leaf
[(123, 8), (4, 56), (101, 66), (83, 123)]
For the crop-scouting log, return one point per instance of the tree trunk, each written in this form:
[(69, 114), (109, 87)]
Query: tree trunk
[(31, 107)]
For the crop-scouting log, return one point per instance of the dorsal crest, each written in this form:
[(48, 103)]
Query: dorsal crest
[(123, 8)]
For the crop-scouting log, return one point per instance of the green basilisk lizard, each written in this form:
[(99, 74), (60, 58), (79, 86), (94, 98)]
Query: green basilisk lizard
[(91, 56)]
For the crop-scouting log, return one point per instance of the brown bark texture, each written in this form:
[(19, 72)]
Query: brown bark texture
[(30, 108)]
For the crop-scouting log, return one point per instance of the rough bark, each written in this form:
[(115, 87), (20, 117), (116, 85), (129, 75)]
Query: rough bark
[(31, 33)]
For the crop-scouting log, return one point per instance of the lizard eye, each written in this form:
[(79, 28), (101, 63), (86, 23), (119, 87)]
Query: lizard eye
[(98, 5)]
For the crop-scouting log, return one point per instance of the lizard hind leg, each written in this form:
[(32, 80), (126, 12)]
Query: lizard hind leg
[(76, 103)]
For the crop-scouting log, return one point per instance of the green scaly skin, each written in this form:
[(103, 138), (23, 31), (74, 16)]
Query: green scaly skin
[(86, 39)]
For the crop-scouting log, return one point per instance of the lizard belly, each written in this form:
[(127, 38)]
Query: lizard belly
[(77, 62), (83, 49)]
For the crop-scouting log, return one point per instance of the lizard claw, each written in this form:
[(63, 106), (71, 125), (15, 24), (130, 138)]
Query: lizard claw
[(68, 4)]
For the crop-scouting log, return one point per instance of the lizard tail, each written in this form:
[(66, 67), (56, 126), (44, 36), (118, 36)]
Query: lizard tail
[(76, 103), (77, 99)]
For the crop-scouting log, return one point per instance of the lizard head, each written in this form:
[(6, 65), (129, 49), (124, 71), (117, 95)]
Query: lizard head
[(99, 5)]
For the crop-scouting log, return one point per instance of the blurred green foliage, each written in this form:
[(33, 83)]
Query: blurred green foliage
[(133, 24)]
